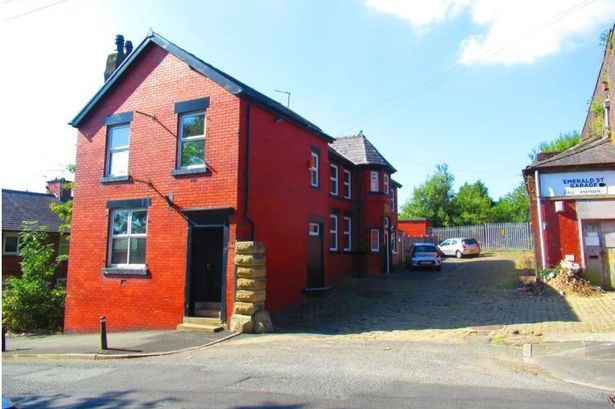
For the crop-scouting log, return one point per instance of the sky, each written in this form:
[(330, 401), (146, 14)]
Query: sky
[(474, 84)]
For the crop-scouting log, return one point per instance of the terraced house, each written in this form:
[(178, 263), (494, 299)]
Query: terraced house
[(177, 161)]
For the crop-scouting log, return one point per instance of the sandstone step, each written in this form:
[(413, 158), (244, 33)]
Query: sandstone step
[(204, 312), (202, 320), (199, 328)]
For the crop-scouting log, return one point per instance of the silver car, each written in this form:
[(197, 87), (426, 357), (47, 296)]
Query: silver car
[(425, 255), (460, 247)]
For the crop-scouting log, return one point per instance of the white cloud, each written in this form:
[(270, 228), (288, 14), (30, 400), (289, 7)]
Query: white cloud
[(517, 31)]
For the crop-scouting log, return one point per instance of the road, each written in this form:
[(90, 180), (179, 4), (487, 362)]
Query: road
[(301, 371)]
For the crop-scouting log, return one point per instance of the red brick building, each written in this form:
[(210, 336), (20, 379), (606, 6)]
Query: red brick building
[(176, 161), (572, 193), (22, 206)]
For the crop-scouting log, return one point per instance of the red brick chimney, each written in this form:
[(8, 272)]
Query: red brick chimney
[(116, 57), (57, 187)]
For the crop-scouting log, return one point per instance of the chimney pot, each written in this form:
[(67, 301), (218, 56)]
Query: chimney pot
[(119, 43), (128, 47)]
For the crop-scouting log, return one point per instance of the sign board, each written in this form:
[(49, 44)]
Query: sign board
[(581, 183)]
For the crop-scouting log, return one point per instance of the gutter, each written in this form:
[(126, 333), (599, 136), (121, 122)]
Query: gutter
[(540, 225)]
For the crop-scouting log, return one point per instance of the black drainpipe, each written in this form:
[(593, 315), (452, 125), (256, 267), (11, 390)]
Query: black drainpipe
[(246, 173)]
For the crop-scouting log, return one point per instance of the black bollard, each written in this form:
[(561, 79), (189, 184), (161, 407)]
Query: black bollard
[(103, 332), (3, 339)]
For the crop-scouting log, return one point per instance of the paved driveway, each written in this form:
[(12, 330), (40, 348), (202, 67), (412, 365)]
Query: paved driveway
[(468, 295)]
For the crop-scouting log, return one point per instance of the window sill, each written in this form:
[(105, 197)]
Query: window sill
[(125, 271), (193, 171), (113, 179)]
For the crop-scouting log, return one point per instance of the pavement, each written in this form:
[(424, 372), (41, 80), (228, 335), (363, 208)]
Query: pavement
[(120, 344)]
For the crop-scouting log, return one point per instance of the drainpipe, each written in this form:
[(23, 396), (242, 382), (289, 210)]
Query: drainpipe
[(540, 225), (246, 173)]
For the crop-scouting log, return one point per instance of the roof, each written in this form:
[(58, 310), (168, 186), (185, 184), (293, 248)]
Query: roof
[(360, 151), (19, 206), (413, 219), (226, 81), (587, 153)]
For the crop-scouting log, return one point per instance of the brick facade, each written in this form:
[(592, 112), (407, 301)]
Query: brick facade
[(258, 168)]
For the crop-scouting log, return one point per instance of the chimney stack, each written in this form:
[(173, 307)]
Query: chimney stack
[(57, 187), (122, 49)]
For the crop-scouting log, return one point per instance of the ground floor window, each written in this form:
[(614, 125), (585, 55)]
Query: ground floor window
[(10, 245), (127, 237), (333, 233), (375, 240), (347, 234)]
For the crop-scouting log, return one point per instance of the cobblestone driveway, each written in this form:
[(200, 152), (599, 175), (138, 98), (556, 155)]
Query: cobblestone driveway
[(469, 295)]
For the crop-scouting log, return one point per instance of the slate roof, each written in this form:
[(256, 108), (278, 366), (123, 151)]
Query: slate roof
[(587, 153), (18, 206), (360, 151), (226, 81)]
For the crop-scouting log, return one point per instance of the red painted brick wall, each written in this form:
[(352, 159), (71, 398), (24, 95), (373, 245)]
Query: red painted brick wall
[(414, 228), (152, 86), (281, 201)]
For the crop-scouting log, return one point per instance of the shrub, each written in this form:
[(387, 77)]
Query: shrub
[(33, 302)]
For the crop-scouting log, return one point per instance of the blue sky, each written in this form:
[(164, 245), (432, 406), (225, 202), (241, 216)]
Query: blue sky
[(471, 83)]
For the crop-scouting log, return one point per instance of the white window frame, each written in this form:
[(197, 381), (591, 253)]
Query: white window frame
[(117, 149), (375, 249), (394, 239), (386, 183), (127, 235), (347, 233), (193, 138), (314, 229), (10, 253), (333, 232), (314, 169), (335, 186), (374, 181), (347, 184)]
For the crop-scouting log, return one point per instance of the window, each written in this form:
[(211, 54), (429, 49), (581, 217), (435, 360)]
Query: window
[(386, 183), (314, 176), (347, 234), (373, 183), (118, 141), (314, 229), (63, 244), (334, 180), (191, 140), (374, 237), (333, 233), (10, 245), (127, 237), (393, 240), (347, 184), (393, 195)]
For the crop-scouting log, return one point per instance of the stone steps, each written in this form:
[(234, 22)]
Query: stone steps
[(202, 324)]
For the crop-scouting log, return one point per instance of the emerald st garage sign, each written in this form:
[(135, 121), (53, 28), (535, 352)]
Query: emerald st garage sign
[(581, 183)]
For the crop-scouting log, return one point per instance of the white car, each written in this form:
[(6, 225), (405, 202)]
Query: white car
[(459, 247), (425, 255)]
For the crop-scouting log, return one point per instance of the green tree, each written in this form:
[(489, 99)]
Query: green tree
[(472, 204), (64, 210), (561, 143), (34, 302), (512, 208), (432, 199)]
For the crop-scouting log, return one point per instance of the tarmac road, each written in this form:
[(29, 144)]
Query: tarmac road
[(301, 371)]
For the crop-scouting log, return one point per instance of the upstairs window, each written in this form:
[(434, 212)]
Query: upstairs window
[(314, 173), (10, 245), (374, 182), (118, 142), (334, 180), (347, 184), (192, 140), (386, 183), (127, 238), (333, 233)]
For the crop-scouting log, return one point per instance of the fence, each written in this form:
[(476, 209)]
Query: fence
[(491, 236)]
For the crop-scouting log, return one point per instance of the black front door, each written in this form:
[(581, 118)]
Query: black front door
[(206, 265)]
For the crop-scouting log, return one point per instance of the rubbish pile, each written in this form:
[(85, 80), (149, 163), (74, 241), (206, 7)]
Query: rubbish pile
[(568, 278), (532, 288)]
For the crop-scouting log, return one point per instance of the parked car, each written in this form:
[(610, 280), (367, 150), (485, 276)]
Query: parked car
[(425, 255), (459, 247)]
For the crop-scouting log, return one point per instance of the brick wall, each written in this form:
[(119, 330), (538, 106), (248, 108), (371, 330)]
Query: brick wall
[(12, 268), (152, 86), (414, 228)]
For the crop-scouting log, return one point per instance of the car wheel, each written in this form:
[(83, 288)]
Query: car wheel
[(458, 254)]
